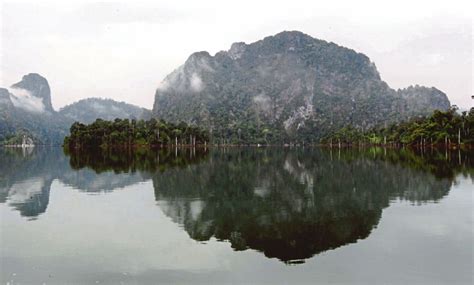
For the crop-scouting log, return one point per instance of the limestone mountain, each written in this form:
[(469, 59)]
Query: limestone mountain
[(285, 88), (26, 109), (37, 87)]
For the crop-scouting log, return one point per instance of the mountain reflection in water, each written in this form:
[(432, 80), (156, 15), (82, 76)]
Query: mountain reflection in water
[(287, 203)]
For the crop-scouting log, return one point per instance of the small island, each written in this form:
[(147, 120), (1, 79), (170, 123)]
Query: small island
[(129, 133)]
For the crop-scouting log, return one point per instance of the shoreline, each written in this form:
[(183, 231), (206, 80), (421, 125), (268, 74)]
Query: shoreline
[(333, 146)]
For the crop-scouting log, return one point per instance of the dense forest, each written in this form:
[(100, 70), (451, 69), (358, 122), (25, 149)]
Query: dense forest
[(125, 132), (448, 128)]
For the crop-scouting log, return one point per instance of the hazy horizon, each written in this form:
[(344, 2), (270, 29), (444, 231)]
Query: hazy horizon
[(123, 50)]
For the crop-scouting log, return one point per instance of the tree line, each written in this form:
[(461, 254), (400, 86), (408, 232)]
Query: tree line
[(440, 128), (125, 132)]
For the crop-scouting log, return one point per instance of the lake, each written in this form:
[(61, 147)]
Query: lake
[(237, 215)]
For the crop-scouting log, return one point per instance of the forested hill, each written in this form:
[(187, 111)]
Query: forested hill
[(286, 88), (26, 110), (88, 110)]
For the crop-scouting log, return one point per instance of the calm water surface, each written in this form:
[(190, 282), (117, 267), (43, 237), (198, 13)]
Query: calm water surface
[(272, 215)]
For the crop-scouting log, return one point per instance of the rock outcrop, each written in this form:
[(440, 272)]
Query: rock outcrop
[(286, 87), (38, 87)]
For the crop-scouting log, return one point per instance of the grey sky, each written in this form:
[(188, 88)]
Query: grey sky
[(123, 50)]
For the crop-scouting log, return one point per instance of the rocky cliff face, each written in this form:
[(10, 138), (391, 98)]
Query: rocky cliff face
[(286, 87), (26, 109), (38, 87), (418, 98)]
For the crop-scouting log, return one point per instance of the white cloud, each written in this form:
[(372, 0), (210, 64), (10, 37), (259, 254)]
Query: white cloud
[(263, 102), (22, 99), (196, 83)]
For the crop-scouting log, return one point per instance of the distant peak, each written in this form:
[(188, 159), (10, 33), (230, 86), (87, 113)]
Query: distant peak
[(38, 87), (293, 33), (293, 36), (199, 54), (29, 79), (33, 76)]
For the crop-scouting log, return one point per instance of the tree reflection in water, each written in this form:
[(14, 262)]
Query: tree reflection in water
[(287, 203), (292, 204)]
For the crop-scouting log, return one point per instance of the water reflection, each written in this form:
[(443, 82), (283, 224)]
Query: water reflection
[(26, 177), (287, 203), (294, 204)]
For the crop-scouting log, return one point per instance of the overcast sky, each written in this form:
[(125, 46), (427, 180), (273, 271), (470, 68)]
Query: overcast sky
[(123, 50)]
